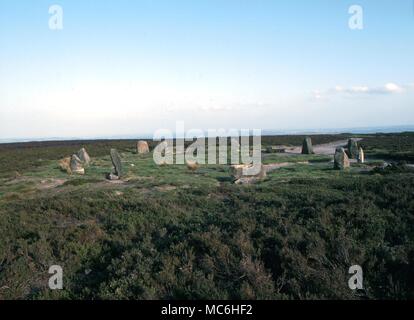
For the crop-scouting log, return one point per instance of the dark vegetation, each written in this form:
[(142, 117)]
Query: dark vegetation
[(397, 146), (292, 236), (30, 155)]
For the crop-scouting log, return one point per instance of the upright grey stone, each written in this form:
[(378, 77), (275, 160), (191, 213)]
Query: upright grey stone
[(341, 160), (116, 161), (76, 165), (353, 149), (84, 156), (307, 147)]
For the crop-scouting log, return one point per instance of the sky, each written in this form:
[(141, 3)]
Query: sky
[(132, 67)]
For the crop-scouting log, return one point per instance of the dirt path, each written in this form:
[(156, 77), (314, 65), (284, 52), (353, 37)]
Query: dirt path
[(326, 148), (50, 183), (274, 166)]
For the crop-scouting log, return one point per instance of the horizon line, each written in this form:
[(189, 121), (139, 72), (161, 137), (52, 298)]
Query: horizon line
[(265, 132)]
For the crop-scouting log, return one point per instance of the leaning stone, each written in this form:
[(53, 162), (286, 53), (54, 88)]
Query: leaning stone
[(361, 156), (116, 161), (352, 149), (76, 165), (341, 160), (84, 156), (142, 147), (307, 147)]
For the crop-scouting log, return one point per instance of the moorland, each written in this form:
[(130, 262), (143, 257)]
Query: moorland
[(165, 232)]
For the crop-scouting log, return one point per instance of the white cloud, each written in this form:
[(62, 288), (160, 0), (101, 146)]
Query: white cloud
[(358, 89), (317, 95), (393, 88), (388, 88)]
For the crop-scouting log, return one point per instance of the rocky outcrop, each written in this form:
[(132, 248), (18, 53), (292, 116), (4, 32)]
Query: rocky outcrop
[(76, 163)]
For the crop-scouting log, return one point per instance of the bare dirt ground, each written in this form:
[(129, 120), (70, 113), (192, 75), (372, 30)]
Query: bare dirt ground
[(274, 166), (51, 183), (325, 149)]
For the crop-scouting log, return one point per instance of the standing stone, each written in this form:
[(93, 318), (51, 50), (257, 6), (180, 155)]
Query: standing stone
[(341, 160), (76, 165), (116, 161), (142, 147), (84, 156), (361, 156), (307, 147), (192, 165), (352, 149)]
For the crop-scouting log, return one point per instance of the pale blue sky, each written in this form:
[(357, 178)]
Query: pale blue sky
[(131, 67)]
